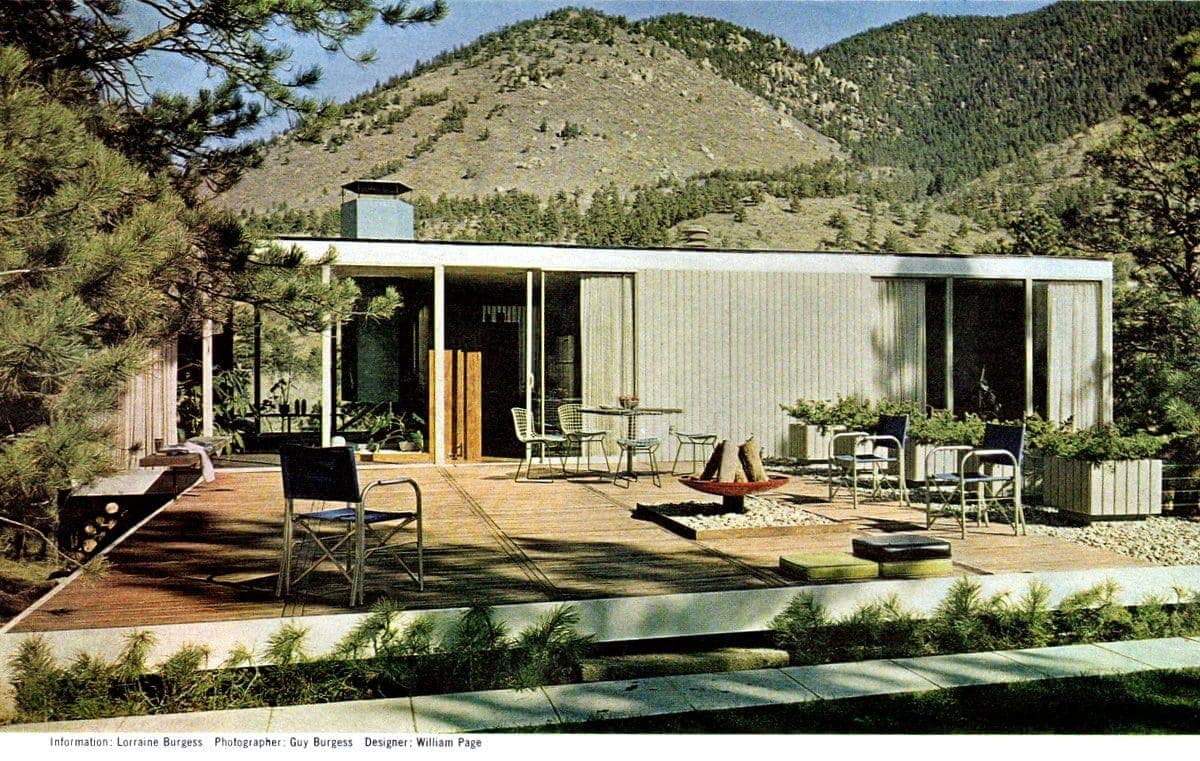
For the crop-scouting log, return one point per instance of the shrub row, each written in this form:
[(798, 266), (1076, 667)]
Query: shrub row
[(968, 621), (377, 659)]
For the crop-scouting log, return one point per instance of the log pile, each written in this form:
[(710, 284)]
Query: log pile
[(735, 464), (94, 531)]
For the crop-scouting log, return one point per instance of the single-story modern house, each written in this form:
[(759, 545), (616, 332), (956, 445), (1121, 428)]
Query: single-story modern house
[(725, 336)]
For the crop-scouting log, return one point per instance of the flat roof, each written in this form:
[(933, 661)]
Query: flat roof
[(377, 255)]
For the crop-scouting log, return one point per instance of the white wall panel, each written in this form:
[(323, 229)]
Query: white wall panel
[(730, 347)]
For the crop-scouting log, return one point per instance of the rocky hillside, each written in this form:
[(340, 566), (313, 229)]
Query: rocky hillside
[(563, 104)]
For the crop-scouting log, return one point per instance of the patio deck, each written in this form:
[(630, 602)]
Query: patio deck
[(213, 553)]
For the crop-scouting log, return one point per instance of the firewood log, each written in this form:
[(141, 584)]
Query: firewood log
[(713, 466), (731, 464), (752, 460)]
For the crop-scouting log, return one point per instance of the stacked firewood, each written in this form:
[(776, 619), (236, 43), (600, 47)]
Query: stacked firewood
[(95, 530), (735, 464)]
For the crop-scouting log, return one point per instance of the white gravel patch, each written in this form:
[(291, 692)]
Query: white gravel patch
[(1157, 539), (760, 513)]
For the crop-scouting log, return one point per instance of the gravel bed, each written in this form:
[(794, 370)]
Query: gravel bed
[(1157, 539), (760, 512)]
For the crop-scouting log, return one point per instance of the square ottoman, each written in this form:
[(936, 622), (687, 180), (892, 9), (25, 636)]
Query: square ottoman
[(916, 569), (894, 548), (827, 566)]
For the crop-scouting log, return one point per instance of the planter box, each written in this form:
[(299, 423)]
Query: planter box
[(807, 444), (914, 460), (1110, 489)]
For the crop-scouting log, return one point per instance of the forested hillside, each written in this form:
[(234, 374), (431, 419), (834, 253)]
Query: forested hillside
[(951, 96)]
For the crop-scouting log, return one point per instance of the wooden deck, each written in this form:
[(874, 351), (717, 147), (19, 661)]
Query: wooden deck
[(212, 555)]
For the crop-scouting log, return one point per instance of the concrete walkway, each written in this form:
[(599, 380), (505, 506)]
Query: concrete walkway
[(574, 703)]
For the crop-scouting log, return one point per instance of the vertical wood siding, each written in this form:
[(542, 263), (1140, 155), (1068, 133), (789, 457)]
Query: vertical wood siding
[(730, 347), (1073, 362), (147, 409)]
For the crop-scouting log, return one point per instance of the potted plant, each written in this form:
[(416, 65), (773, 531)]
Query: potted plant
[(412, 438), (1099, 472), (817, 420), (938, 428)]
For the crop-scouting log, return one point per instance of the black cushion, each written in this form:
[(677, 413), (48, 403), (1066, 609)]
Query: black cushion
[(890, 548)]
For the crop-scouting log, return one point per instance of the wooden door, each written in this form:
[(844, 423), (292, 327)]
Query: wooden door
[(463, 412)]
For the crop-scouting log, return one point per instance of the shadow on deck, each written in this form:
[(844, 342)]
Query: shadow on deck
[(212, 555)]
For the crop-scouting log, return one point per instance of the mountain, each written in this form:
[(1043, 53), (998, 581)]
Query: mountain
[(572, 102), (590, 128)]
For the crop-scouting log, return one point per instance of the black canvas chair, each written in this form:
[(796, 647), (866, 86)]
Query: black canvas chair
[(993, 469), (339, 531), (874, 452)]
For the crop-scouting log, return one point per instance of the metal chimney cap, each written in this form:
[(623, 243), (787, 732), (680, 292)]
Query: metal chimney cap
[(377, 187)]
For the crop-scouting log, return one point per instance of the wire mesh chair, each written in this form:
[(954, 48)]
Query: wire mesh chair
[(996, 478), (345, 536), (570, 422), (531, 439), (886, 444), (631, 447), (696, 442)]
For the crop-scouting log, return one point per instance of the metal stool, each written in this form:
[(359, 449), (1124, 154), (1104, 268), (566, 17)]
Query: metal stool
[(695, 441), (632, 447)]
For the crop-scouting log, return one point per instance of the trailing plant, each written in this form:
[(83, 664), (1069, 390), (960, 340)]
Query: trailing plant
[(1098, 443), (852, 412), (944, 427)]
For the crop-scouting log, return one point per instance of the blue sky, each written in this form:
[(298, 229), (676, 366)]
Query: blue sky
[(807, 24)]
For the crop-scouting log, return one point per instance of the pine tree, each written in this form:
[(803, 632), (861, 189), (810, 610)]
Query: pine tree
[(88, 54)]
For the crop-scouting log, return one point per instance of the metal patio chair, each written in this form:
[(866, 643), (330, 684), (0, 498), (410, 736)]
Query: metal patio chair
[(631, 447), (570, 422), (340, 531), (530, 439), (696, 442), (993, 468), (883, 449)]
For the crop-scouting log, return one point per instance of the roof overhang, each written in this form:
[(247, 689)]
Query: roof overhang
[(378, 257)]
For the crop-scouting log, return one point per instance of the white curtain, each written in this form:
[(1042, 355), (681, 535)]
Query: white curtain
[(606, 351), (1073, 361)]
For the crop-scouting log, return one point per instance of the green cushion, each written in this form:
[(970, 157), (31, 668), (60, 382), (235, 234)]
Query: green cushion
[(827, 566), (916, 569)]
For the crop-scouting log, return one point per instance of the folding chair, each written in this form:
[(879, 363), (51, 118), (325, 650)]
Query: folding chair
[(570, 421), (347, 535), (526, 436), (997, 469), (886, 447)]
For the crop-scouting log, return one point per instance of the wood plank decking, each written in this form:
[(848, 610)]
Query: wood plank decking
[(212, 555)]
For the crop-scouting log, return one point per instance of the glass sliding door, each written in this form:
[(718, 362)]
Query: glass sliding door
[(989, 348)]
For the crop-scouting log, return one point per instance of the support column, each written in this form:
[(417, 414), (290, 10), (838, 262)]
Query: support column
[(206, 379), (438, 424), (948, 327), (327, 370), (529, 343), (1028, 347)]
